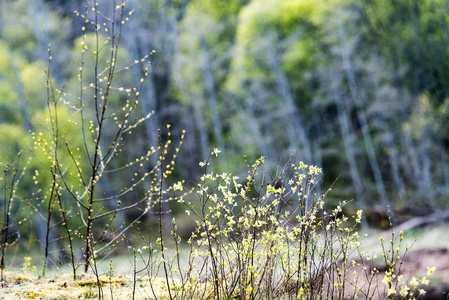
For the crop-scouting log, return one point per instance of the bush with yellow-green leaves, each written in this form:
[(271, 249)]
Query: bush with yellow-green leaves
[(277, 239)]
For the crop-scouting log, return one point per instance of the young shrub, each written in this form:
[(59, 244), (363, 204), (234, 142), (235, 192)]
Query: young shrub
[(276, 239), (85, 144), (10, 179)]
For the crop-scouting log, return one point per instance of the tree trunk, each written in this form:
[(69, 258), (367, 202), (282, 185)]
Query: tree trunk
[(417, 168), (251, 122), (393, 157), (356, 98), (212, 99), (348, 138), (198, 117), (427, 178), (296, 130), (148, 100)]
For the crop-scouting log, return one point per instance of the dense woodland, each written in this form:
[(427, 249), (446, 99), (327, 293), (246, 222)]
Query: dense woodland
[(357, 87)]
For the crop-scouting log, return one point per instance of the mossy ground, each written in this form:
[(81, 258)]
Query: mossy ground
[(23, 286)]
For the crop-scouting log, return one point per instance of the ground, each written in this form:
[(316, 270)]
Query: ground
[(431, 249)]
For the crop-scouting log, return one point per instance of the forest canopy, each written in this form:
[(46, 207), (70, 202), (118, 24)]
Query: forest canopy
[(359, 88)]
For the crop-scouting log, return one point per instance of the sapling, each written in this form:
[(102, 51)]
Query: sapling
[(80, 169), (277, 239), (10, 180)]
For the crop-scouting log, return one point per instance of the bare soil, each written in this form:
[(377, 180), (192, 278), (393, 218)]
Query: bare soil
[(417, 263)]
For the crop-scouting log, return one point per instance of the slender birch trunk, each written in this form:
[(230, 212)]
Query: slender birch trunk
[(348, 143), (296, 130), (356, 96), (212, 98)]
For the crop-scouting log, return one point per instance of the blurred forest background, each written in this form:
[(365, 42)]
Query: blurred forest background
[(357, 87)]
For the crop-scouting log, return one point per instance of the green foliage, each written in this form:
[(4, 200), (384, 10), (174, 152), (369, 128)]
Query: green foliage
[(293, 27), (397, 50), (8, 93), (16, 27), (5, 60), (218, 9), (27, 267), (68, 146), (84, 53), (12, 141), (284, 16), (411, 35), (33, 81), (22, 87), (28, 26), (272, 70)]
